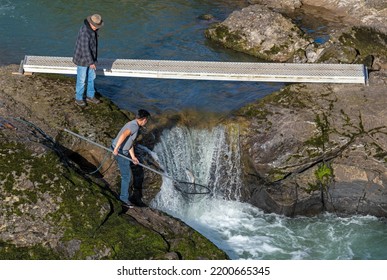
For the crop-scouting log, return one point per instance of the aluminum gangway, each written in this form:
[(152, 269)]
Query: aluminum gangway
[(206, 70)]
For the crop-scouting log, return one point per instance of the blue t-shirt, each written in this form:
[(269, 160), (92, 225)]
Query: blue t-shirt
[(128, 142)]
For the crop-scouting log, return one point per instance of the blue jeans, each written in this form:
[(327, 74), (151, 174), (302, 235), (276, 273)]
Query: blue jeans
[(85, 75), (126, 177)]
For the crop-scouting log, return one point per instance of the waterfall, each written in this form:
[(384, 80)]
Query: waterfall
[(211, 157), (240, 229)]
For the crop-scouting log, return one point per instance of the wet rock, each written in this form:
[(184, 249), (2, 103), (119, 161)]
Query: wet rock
[(51, 204), (272, 31), (282, 5), (261, 32), (206, 17), (313, 148), (370, 13)]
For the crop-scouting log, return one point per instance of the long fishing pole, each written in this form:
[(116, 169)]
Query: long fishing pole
[(178, 183), (121, 155)]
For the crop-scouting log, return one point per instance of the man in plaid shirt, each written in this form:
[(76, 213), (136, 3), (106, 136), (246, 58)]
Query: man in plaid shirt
[(85, 57)]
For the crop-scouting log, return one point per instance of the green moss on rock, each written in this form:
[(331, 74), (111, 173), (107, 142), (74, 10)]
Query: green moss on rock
[(221, 33), (324, 176), (87, 218), (320, 140), (38, 252), (366, 41)]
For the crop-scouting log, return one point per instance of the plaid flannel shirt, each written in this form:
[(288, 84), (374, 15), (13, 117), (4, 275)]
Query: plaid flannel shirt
[(86, 46)]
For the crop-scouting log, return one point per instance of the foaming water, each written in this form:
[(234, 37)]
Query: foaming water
[(244, 231), (171, 29)]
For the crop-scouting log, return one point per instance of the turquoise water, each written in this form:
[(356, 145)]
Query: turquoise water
[(146, 29), (172, 30)]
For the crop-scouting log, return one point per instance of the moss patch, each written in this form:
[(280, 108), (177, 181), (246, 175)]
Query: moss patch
[(367, 41), (321, 140), (82, 208), (222, 34), (38, 252), (87, 217), (324, 176)]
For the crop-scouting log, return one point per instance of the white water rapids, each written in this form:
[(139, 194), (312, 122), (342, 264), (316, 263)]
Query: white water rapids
[(244, 231)]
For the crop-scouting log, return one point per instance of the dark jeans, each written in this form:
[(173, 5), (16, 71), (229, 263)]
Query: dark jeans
[(138, 179), (128, 171), (126, 176)]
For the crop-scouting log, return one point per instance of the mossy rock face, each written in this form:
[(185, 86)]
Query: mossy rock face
[(62, 207), (366, 40), (238, 41), (260, 32), (74, 218), (227, 38), (51, 207), (338, 53), (310, 142)]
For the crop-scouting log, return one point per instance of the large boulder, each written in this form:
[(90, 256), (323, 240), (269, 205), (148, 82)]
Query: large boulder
[(261, 32), (273, 31)]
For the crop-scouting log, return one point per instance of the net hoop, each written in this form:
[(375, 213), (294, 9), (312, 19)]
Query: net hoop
[(191, 188)]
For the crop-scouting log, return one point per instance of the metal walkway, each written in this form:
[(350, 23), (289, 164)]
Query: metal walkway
[(206, 70)]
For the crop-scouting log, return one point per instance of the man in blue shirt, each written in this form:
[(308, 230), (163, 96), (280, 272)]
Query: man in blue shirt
[(85, 57)]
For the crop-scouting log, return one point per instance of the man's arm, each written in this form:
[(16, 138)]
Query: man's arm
[(120, 140), (133, 156)]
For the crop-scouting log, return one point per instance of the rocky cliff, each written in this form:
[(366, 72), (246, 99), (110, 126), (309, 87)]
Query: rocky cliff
[(54, 201), (313, 148)]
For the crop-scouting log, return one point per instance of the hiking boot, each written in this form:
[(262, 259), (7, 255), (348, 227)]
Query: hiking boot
[(80, 103), (127, 204), (138, 202), (93, 100)]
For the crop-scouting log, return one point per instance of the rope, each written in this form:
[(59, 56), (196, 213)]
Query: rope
[(101, 164), (46, 136), (23, 121)]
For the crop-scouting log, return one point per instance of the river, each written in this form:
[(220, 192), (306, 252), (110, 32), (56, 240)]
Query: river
[(170, 30), (173, 30)]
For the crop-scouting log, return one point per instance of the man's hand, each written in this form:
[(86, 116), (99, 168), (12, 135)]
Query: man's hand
[(135, 160)]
